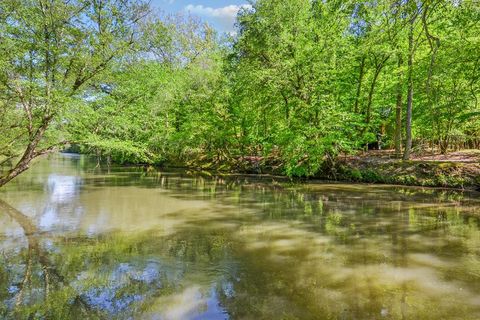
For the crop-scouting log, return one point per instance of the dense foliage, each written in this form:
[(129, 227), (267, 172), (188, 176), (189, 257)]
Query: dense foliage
[(51, 51), (300, 83)]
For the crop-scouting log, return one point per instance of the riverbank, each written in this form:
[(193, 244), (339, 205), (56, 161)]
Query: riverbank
[(412, 173), (459, 170)]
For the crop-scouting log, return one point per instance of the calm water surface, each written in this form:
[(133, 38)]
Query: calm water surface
[(80, 242)]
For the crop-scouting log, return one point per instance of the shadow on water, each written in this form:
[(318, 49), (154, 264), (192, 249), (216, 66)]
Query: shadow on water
[(75, 240)]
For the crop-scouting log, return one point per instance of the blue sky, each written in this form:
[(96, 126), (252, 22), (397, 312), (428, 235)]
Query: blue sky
[(219, 13)]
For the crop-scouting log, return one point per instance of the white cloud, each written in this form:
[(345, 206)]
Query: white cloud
[(224, 16)]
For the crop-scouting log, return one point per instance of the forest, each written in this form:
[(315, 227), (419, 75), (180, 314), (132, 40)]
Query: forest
[(155, 167), (298, 85)]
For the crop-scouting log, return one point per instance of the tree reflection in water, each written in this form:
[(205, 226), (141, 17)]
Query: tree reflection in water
[(42, 287), (177, 246), (111, 276)]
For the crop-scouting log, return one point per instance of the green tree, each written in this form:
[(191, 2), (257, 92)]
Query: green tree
[(51, 51)]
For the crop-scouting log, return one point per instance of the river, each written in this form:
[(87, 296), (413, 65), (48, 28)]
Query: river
[(78, 241)]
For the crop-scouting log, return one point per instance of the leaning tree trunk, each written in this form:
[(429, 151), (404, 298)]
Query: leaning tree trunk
[(29, 154)]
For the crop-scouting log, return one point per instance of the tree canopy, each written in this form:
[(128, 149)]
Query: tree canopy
[(300, 83)]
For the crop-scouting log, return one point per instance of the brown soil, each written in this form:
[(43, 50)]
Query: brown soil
[(382, 156), (460, 169)]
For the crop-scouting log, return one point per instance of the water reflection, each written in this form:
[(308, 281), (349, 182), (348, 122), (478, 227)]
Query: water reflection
[(130, 244)]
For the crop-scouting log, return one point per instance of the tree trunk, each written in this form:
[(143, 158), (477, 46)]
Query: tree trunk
[(398, 110), (408, 126), (359, 86), (444, 142), (29, 154), (378, 68)]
